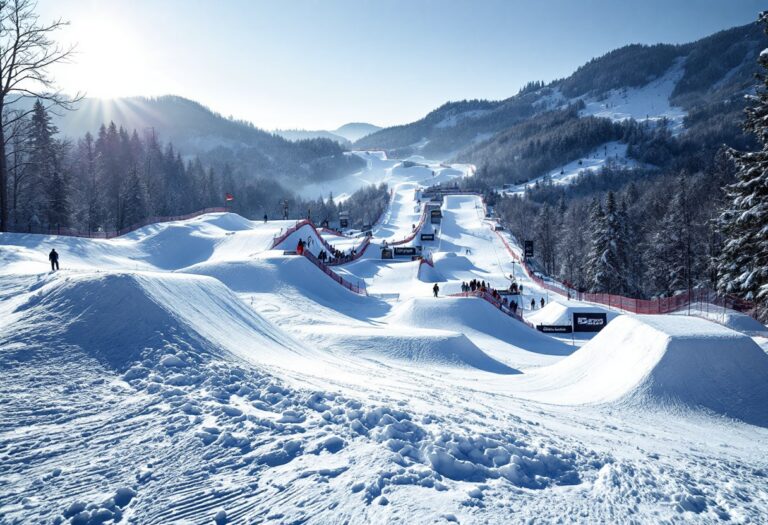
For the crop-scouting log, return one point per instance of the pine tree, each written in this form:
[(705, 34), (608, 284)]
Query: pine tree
[(545, 226), (743, 264), (58, 203), (671, 253), (134, 208), (43, 166), (598, 244), (608, 256)]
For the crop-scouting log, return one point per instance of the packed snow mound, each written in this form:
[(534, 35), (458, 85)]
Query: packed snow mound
[(454, 202), (428, 274), (293, 276), (420, 347), (557, 313), (114, 317), (473, 314), (664, 361), (726, 317), (163, 246)]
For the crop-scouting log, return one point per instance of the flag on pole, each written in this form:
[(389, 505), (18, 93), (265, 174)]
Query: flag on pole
[(229, 197)]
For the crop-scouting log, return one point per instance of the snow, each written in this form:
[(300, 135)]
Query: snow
[(646, 103), (455, 118), (189, 373), (561, 313), (663, 361), (610, 153), (380, 169)]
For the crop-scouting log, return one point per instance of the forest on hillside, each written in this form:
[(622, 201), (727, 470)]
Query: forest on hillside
[(119, 178)]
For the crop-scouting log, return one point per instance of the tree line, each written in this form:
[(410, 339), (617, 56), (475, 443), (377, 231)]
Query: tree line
[(119, 178)]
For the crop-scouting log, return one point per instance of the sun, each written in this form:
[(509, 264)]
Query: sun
[(110, 61)]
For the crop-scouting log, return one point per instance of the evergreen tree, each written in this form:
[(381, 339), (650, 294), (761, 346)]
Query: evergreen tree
[(544, 228), (58, 204), (608, 256), (743, 264), (598, 246), (43, 166), (671, 251), (134, 203)]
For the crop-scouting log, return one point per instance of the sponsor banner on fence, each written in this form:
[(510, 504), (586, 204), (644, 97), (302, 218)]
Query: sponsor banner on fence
[(554, 328), (427, 236), (405, 251), (589, 322), (528, 245), (386, 253)]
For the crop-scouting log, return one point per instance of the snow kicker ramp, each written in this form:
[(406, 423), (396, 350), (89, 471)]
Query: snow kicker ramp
[(166, 246), (117, 317), (667, 361), (420, 347), (476, 316)]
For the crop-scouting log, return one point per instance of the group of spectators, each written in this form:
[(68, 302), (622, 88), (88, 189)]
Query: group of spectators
[(502, 301), (475, 286), (336, 256)]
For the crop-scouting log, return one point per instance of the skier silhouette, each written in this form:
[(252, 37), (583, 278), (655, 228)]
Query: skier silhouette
[(54, 258), (435, 289)]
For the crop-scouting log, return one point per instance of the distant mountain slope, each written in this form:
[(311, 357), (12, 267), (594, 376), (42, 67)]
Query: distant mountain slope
[(345, 135), (195, 130), (356, 130), (702, 79), (303, 134)]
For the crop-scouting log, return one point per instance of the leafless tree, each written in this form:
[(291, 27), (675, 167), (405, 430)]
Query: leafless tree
[(27, 50)]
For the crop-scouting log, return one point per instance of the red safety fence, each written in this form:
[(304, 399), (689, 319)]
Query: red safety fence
[(415, 231), (70, 232), (515, 314), (660, 305), (427, 259), (296, 227), (356, 288), (359, 250), (331, 231)]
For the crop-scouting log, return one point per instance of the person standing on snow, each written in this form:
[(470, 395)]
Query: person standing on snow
[(265, 218), (435, 289), (542, 302), (300, 247), (54, 258), (533, 303)]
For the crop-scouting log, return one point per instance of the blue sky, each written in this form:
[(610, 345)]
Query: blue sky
[(316, 64)]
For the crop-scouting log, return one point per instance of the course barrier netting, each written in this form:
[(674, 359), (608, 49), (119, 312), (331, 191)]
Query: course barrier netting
[(359, 250), (698, 298), (71, 232), (356, 288), (515, 314)]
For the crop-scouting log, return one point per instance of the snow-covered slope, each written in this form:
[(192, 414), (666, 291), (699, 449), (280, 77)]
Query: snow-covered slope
[(187, 373), (663, 361), (650, 102)]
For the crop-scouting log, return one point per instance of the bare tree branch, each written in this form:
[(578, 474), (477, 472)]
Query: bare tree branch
[(27, 50)]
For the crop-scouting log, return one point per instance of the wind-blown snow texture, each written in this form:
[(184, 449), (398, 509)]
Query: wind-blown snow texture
[(187, 373)]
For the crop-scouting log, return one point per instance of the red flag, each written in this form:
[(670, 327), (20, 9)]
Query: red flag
[(229, 197)]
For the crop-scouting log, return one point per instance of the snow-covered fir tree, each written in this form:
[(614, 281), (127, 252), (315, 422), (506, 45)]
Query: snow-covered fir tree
[(608, 255), (671, 252), (743, 264), (42, 166)]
